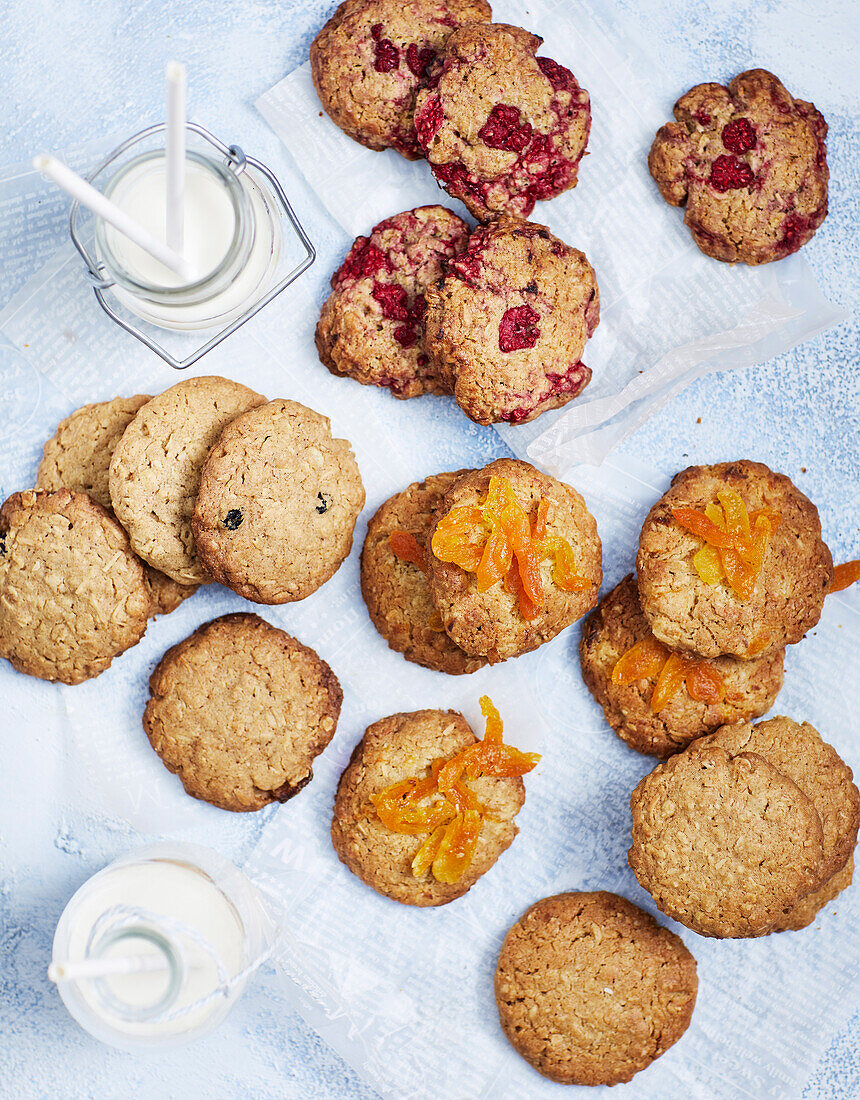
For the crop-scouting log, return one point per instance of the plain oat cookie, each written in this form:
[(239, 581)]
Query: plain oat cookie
[(394, 749), (155, 469), (239, 710), (591, 989), (278, 501), (72, 592)]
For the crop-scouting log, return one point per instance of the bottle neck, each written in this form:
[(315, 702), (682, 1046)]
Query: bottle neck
[(149, 976)]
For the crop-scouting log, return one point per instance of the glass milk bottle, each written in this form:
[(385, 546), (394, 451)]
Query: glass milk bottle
[(232, 240), (155, 949)]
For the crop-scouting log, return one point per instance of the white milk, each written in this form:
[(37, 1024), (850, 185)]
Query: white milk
[(201, 927), (232, 239)]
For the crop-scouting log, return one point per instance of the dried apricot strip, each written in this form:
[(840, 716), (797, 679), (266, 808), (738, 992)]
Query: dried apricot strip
[(672, 676), (457, 848), (844, 576), (407, 548), (709, 565), (459, 538), (492, 719), (697, 523), (704, 683), (564, 565), (428, 851), (642, 661)]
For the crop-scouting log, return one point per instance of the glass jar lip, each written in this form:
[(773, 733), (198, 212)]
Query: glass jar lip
[(175, 974), (234, 258)]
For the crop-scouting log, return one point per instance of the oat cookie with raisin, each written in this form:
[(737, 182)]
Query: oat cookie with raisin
[(72, 591), (746, 689), (371, 58), (490, 621), (785, 593), (395, 749), (277, 503), (500, 127), (749, 163), (78, 457), (371, 327), (507, 325), (591, 989), (395, 587)]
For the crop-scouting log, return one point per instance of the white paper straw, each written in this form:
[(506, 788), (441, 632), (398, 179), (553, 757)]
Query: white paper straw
[(94, 200), (175, 154), (102, 968)]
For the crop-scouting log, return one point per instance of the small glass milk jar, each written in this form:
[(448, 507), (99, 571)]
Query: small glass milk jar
[(155, 949), (240, 235)]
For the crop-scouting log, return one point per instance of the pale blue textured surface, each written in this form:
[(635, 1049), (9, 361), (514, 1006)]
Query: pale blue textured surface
[(73, 71)]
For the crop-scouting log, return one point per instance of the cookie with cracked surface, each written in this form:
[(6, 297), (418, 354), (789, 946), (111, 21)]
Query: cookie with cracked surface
[(239, 711), (72, 591), (808, 908), (155, 469), (396, 590), (78, 457), (277, 503), (371, 58), (500, 127), (490, 623), (507, 325), (613, 629), (394, 749), (749, 162), (726, 844), (798, 751), (591, 989), (689, 614), (371, 327)]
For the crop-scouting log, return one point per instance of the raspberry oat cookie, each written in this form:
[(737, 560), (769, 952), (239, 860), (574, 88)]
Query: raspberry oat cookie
[(658, 701), (397, 753), (591, 989), (239, 710), (372, 325), (394, 579), (371, 58), (515, 558), (731, 561), (500, 127), (78, 457), (72, 591), (507, 326), (277, 503), (155, 469), (750, 164)]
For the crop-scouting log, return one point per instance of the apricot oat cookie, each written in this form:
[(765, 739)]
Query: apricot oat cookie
[(396, 749), (750, 163), (277, 504), (726, 844), (500, 127), (591, 989), (508, 323), (487, 619), (72, 591), (371, 58), (781, 595), (798, 751), (155, 469), (746, 689), (78, 457), (239, 710), (395, 589), (371, 327)]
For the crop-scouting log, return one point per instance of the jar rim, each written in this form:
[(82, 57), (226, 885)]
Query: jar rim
[(233, 259)]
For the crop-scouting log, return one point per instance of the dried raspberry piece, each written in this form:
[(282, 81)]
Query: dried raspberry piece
[(562, 79), (363, 260), (387, 55), (423, 360), (730, 174), (419, 61), (406, 336), (795, 232), (505, 130), (551, 182), (702, 117), (393, 299), (456, 178), (739, 136), (428, 120), (418, 308), (519, 328)]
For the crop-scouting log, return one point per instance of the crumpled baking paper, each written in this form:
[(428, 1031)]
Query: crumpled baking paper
[(668, 313)]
